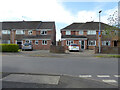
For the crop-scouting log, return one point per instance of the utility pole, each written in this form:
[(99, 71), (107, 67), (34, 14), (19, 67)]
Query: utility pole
[(99, 36)]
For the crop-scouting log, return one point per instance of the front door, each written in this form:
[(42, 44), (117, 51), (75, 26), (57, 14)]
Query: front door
[(82, 44), (115, 43)]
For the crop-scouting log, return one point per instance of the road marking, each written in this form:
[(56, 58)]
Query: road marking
[(110, 81), (116, 75), (103, 76), (85, 75)]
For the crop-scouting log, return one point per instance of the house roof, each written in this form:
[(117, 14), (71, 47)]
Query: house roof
[(85, 26), (27, 25)]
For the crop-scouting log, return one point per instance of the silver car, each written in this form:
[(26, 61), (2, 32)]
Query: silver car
[(27, 46)]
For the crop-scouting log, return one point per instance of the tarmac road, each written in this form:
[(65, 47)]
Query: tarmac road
[(103, 69)]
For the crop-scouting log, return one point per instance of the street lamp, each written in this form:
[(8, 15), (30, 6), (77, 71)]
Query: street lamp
[(99, 32)]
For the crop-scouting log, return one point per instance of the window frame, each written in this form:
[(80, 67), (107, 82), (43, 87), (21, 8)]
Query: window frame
[(30, 31), (22, 32), (90, 32), (43, 42), (37, 42), (68, 33), (68, 42), (7, 31), (80, 33), (43, 32), (89, 43), (8, 41), (104, 43)]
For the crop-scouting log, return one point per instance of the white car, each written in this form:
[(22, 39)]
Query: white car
[(73, 47)]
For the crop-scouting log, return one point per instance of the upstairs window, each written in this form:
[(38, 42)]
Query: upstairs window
[(5, 31), (30, 32), (92, 43), (81, 32), (91, 32), (20, 32), (43, 32), (68, 32)]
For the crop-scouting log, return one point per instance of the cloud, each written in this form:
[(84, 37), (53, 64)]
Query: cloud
[(45, 10)]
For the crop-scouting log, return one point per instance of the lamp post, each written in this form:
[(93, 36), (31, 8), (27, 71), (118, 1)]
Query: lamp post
[(99, 33)]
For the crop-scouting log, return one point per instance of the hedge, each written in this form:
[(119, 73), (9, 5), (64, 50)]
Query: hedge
[(9, 47)]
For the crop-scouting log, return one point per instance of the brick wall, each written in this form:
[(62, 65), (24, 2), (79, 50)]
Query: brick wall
[(57, 49), (108, 50)]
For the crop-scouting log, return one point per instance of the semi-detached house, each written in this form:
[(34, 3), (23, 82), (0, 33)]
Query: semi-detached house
[(86, 35), (40, 34)]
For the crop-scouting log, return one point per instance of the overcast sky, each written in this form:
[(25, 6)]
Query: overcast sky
[(61, 11)]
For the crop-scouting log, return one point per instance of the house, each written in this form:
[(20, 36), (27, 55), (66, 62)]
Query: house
[(86, 35), (40, 34)]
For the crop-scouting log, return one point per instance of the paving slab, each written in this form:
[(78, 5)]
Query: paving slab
[(41, 79)]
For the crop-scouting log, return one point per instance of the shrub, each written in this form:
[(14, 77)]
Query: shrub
[(9, 47)]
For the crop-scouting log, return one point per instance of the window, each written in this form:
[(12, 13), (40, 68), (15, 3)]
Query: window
[(68, 32), (81, 32), (106, 43), (44, 42), (30, 32), (43, 32), (6, 41), (36, 42), (68, 43), (116, 32), (20, 32), (92, 43), (91, 32), (28, 41), (5, 31)]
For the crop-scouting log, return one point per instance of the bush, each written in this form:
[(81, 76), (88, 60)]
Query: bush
[(9, 47)]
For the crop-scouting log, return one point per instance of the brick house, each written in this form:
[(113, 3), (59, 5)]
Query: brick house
[(40, 34), (86, 35)]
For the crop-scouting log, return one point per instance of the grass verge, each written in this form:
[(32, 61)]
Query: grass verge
[(109, 56)]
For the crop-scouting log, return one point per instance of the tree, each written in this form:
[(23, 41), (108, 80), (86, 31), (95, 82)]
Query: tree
[(112, 29)]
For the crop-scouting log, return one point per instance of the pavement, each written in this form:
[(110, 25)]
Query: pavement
[(46, 53), (22, 80)]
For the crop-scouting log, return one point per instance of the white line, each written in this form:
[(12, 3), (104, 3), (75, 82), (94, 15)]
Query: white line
[(103, 76), (85, 76), (116, 75), (110, 81)]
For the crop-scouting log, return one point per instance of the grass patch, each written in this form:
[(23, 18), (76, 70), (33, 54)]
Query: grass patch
[(109, 56), (19, 50)]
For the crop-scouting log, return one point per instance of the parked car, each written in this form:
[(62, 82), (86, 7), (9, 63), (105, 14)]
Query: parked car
[(73, 47), (27, 46)]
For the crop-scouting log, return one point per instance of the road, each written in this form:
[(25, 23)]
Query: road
[(90, 67)]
